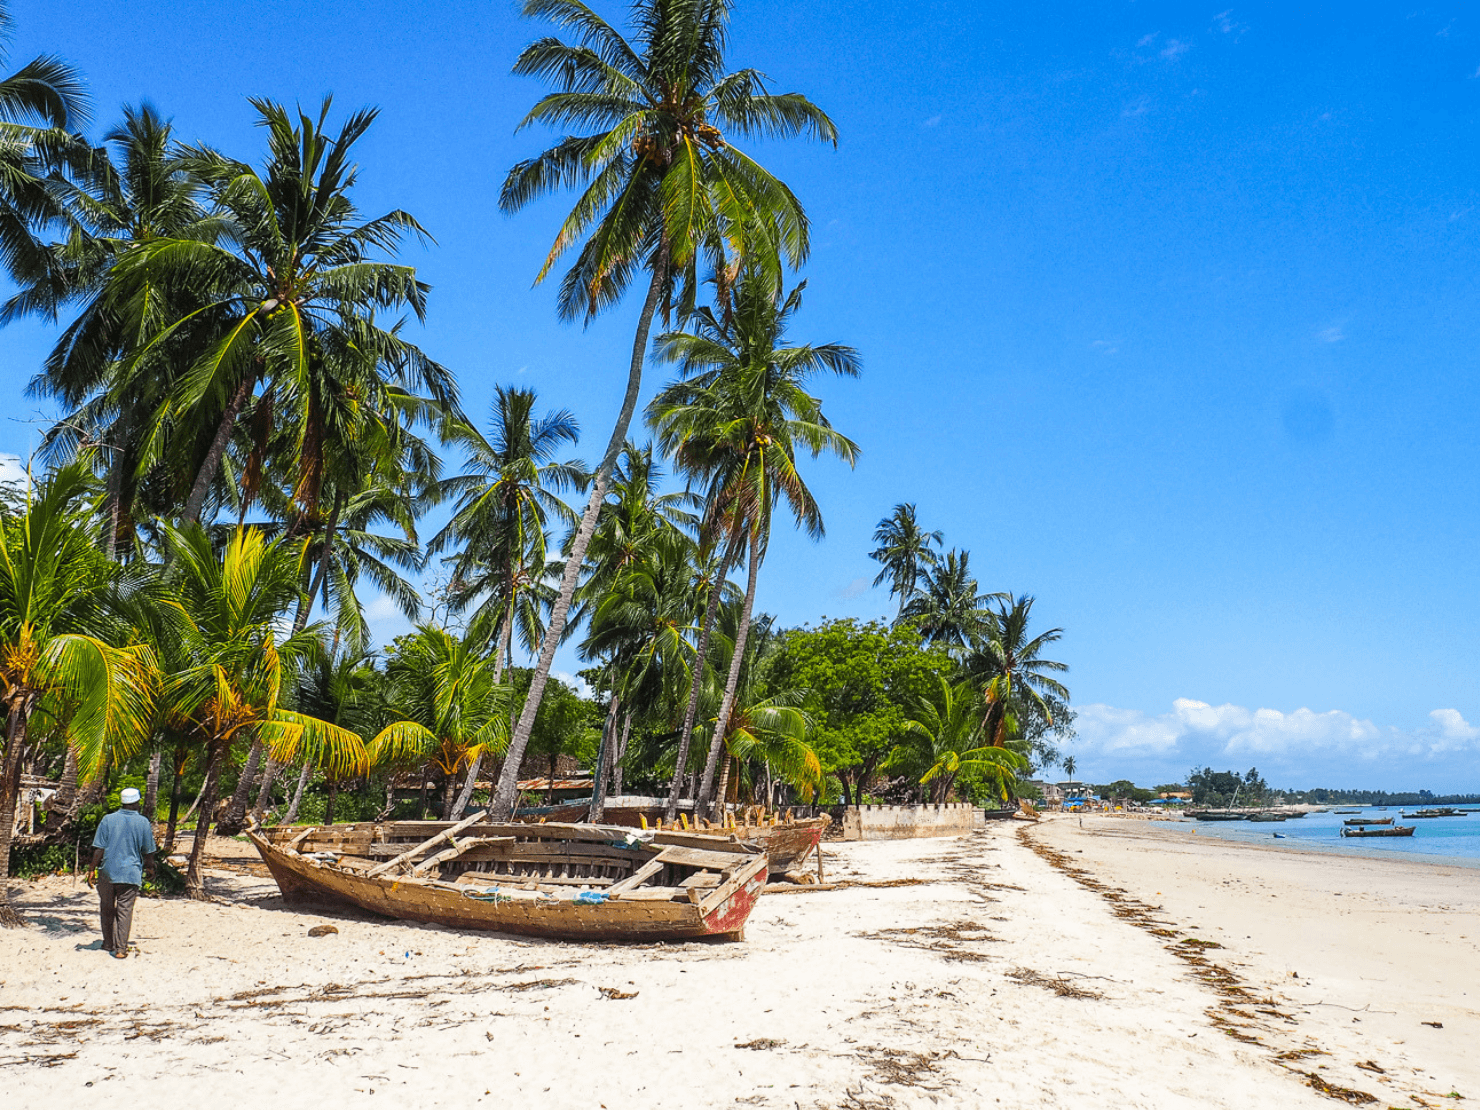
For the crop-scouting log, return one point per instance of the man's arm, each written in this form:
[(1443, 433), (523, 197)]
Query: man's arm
[(97, 861), (149, 865)]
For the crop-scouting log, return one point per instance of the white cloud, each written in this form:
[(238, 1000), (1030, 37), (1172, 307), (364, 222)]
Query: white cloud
[(856, 588), (1331, 335), (1175, 48), (1106, 346), (1147, 40), (933, 121), (1300, 748), (575, 682), (12, 470), (1138, 107)]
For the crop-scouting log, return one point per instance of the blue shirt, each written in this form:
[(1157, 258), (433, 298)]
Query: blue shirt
[(126, 837)]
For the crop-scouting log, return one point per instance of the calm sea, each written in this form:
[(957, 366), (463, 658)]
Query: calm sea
[(1446, 839)]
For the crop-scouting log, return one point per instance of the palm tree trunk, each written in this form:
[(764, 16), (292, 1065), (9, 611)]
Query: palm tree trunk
[(449, 795), (680, 769), (236, 811), (264, 792), (470, 783), (621, 754), (603, 757), (292, 814), (207, 473), (305, 603), (175, 787), (330, 801), (503, 801), (67, 786), (195, 886), (151, 785), (113, 513), (10, 782), (727, 705)]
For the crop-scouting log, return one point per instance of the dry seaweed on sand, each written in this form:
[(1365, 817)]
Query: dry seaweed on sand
[(943, 939), (1058, 984), (761, 1044), (902, 1067), (1331, 1090)]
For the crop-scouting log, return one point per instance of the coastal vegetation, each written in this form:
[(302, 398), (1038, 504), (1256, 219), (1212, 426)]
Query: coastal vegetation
[(248, 441)]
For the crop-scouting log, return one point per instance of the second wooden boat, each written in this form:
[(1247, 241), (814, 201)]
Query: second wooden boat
[(1358, 822), (1396, 830), (787, 844), (565, 882)]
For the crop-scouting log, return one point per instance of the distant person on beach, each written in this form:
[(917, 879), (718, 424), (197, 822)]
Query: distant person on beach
[(123, 847)]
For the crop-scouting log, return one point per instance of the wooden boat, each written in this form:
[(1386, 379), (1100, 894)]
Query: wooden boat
[(787, 844), (1262, 817), (562, 881), (1396, 830), (1216, 814), (1443, 811), (1358, 822), (1346, 811)]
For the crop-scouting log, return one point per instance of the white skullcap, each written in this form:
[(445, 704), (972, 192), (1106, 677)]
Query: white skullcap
[(129, 796)]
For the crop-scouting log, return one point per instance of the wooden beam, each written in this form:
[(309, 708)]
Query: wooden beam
[(641, 875), (446, 834), (457, 849)]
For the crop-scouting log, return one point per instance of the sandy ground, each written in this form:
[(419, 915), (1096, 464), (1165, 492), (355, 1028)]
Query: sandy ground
[(997, 979)]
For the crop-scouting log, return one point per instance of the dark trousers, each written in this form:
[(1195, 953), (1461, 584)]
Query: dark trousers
[(116, 905)]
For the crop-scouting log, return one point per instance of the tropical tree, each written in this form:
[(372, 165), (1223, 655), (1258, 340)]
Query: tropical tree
[(951, 610), (64, 662), (950, 722), (223, 615), (905, 550), (736, 422), (662, 185), (1070, 764), (287, 294), (450, 711), (41, 104), (505, 502), (1009, 665)]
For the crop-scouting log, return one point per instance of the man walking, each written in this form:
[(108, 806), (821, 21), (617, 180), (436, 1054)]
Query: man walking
[(123, 846)]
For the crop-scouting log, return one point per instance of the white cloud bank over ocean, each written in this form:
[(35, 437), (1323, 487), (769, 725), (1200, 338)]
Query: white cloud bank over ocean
[(1300, 750)]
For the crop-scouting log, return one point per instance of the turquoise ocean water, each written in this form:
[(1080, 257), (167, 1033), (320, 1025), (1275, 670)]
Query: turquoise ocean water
[(1453, 840)]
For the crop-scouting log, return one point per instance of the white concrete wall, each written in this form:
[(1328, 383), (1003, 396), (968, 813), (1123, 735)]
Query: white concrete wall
[(906, 822)]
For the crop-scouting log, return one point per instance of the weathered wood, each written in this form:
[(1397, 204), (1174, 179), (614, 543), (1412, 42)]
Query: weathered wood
[(698, 857), (459, 848), (430, 842), (640, 876)]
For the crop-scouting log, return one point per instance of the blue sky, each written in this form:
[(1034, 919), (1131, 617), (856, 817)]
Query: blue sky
[(1168, 314)]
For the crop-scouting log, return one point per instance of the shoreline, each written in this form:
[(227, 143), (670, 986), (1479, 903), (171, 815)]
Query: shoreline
[(1351, 847)]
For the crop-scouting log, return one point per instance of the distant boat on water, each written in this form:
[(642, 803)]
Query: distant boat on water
[(1396, 830), (1267, 817), (1359, 821), (1443, 811), (1346, 811), (1217, 815)]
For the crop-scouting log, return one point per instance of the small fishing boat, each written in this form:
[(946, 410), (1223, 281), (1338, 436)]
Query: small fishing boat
[(1396, 830), (1267, 817), (1216, 814), (1442, 811), (1358, 822), (1280, 836), (561, 881), (787, 843), (1346, 811)]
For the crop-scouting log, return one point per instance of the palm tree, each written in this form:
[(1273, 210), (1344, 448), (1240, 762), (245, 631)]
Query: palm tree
[(736, 422), (905, 552), (60, 656), (223, 616), (450, 710), (505, 503), (662, 184), (40, 104), (950, 722), (1070, 763), (287, 294), (951, 609), (1010, 667)]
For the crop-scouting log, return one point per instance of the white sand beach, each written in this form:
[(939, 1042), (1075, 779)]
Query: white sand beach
[(998, 979)]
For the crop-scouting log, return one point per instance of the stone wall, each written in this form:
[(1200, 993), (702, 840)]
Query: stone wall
[(905, 822)]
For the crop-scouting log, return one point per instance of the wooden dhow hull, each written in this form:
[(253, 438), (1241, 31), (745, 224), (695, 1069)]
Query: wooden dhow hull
[(1397, 830), (562, 882), (786, 844)]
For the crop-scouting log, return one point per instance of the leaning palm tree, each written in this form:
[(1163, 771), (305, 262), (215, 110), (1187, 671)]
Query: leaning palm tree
[(737, 421), (1009, 665), (662, 185), (63, 661), (905, 552)]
